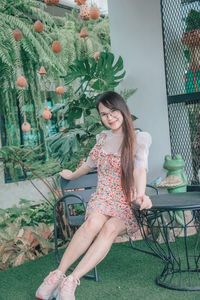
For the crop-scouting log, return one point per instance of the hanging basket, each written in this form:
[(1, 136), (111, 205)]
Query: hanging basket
[(80, 2), (56, 47), (26, 127), (17, 34), (94, 12), (51, 2), (85, 12), (96, 56), (60, 90), (38, 26), (21, 81), (47, 114), (83, 33), (42, 70)]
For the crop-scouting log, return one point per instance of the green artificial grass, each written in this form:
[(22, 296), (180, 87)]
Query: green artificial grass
[(125, 274)]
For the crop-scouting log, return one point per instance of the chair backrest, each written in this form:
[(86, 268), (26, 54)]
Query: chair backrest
[(151, 190), (87, 181), (78, 191)]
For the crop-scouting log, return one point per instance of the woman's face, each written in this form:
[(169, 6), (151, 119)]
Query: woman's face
[(112, 119)]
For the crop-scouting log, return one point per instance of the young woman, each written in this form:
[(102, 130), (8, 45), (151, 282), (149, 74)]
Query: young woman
[(120, 156)]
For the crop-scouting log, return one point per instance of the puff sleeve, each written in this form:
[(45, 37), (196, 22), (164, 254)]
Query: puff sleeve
[(143, 143), (94, 153)]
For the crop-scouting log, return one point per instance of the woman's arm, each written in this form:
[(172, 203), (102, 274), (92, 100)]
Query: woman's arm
[(67, 174), (142, 201)]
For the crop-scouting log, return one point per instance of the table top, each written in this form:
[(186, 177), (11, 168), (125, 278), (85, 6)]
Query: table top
[(175, 201)]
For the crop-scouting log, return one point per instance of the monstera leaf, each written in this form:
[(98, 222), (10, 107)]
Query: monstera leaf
[(102, 75), (64, 144)]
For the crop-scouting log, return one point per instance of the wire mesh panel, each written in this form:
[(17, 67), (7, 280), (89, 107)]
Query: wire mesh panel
[(181, 39)]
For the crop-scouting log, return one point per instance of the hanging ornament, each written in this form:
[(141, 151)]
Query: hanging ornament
[(96, 55), (56, 47), (17, 34), (38, 26), (51, 2), (47, 114), (60, 90), (80, 2), (42, 70), (21, 81), (63, 128), (94, 12), (85, 12), (26, 126), (83, 33)]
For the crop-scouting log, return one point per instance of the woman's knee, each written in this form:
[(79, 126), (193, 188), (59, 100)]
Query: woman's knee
[(112, 228), (93, 224)]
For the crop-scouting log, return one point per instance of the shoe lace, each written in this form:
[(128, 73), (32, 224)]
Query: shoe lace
[(70, 284), (52, 277)]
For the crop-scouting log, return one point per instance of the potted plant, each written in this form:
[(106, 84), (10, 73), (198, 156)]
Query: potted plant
[(191, 39)]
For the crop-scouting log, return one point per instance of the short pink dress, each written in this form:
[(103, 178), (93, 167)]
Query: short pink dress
[(109, 198)]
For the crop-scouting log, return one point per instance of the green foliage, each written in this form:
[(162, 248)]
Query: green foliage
[(27, 160), (26, 214), (75, 47), (26, 56), (64, 145), (101, 75), (193, 20), (91, 77)]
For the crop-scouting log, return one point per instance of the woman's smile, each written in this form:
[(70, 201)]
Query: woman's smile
[(112, 119)]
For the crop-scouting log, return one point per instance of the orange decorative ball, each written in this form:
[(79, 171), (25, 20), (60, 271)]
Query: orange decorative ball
[(83, 33), (21, 81), (60, 90), (96, 55), (47, 114), (17, 34), (42, 70), (94, 12), (80, 2), (38, 26), (56, 47), (26, 127), (51, 2)]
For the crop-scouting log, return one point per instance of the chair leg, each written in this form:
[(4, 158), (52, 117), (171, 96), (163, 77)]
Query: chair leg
[(96, 274)]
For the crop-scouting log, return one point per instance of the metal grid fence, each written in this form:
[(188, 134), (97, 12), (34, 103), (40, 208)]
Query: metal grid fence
[(181, 37)]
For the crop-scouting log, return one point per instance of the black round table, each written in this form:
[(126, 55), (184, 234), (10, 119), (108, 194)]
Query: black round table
[(171, 229)]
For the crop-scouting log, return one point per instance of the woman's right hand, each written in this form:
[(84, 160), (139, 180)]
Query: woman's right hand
[(66, 174)]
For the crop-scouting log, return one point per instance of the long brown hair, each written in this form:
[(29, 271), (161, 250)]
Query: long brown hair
[(114, 101)]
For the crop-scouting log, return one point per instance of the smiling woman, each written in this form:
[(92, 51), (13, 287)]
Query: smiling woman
[(108, 213)]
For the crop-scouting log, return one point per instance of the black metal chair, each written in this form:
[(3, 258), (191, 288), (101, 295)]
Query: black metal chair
[(78, 191), (74, 192)]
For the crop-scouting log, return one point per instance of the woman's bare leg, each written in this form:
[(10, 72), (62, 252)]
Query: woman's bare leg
[(82, 239), (100, 247)]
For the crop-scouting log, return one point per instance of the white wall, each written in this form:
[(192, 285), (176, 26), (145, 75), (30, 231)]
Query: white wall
[(11, 193), (136, 35)]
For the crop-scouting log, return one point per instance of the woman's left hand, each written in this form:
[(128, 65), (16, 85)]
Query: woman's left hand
[(142, 203)]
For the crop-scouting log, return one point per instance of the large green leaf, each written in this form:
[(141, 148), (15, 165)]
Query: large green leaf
[(102, 75)]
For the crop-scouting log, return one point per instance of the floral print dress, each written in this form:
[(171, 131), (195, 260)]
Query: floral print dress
[(109, 198)]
